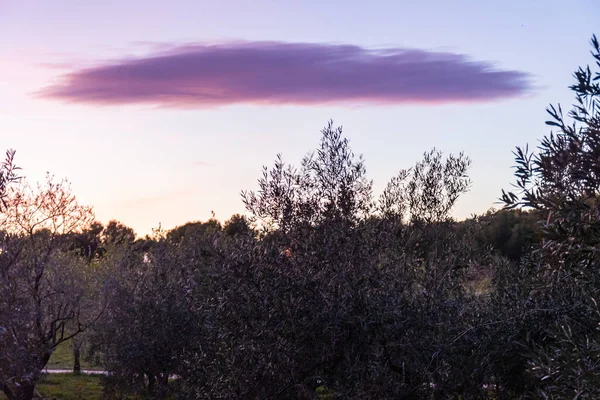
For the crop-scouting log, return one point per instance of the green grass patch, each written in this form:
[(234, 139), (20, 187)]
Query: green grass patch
[(324, 393), (69, 387), (62, 358)]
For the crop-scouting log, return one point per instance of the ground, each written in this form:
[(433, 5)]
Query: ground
[(69, 387), (62, 358)]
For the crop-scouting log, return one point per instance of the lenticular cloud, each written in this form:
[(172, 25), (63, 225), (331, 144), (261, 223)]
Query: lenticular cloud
[(200, 76)]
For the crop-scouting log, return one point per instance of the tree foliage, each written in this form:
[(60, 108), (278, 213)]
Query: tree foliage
[(8, 175), (562, 180), (44, 295)]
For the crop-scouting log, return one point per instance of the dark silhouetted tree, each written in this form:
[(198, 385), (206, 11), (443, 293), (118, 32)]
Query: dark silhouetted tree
[(561, 179)]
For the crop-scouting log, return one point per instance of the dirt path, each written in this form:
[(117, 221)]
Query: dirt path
[(70, 371)]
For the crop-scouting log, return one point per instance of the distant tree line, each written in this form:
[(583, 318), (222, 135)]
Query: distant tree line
[(324, 290)]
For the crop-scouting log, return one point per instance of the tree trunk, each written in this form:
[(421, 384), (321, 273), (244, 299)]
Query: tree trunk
[(26, 391), (76, 357), (151, 384), (7, 392), (22, 391), (162, 381)]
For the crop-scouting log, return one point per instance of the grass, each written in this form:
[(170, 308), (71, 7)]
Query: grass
[(62, 358), (69, 387), (479, 281)]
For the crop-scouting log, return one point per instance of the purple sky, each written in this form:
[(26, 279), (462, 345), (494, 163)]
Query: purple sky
[(160, 113)]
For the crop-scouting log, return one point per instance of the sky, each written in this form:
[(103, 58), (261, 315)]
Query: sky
[(162, 112)]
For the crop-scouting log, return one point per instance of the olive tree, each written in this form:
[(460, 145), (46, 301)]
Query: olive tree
[(561, 179), (336, 296), (42, 298), (8, 175), (150, 321)]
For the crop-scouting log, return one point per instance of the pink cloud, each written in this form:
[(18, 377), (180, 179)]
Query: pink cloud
[(200, 75)]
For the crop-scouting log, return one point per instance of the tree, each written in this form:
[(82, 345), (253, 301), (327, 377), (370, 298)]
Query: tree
[(330, 185), (428, 191), (149, 322), (237, 225), (88, 243), (42, 298), (510, 232), (562, 181), (193, 229), (117, 234), (8, 175), (334, 296)]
